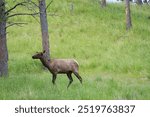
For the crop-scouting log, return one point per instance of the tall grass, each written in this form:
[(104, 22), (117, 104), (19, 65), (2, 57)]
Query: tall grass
[(114, 63)]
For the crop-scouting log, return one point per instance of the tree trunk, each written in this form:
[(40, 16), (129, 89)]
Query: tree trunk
[(145, 1), (3, 43), (103, 3), (128, 16), (71, 8), (139, 2), (44, 27)]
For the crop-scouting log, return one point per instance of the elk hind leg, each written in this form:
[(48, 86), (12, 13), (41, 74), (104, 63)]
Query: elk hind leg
[(78, 76)]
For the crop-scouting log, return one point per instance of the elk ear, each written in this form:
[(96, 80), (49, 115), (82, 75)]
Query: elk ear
[(44, 51)]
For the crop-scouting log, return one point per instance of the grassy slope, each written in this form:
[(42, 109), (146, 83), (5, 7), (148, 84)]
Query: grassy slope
[(114, 64)]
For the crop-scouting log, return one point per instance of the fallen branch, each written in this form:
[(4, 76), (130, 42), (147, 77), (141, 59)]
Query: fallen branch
[(19, 4), (17, 14), (34, 4), (49, 4), (12, 24)]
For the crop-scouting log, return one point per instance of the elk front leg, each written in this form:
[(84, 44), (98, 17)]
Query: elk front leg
[(70, 79), (54, 78)]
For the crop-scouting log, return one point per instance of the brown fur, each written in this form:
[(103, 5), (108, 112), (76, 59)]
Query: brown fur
[(59, 66)]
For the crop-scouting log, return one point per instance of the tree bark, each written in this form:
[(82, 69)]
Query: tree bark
[(145, 1), (139, 2), (71, 7), (44, 27), (103, 3), (128, 15), (3, 41)]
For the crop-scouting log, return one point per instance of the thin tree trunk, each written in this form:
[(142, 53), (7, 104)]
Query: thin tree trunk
[(103, 3), (128, 16), (44, 27), (139, 2), (3, 43), (71, 8), (145, 1)]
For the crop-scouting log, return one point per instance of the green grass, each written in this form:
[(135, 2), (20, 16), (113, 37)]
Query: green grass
[(114, 63)]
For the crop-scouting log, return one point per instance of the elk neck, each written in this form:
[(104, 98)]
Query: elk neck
[(44, 61)]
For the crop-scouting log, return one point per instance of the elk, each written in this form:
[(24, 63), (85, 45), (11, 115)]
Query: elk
[(59, 66)]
